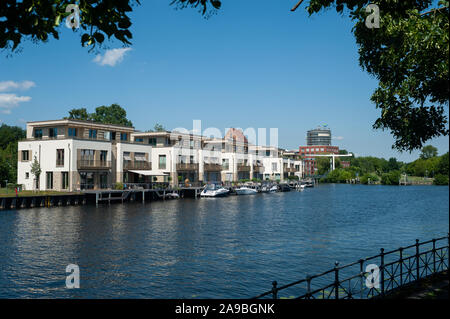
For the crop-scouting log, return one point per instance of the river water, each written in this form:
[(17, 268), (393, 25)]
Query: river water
[(230, 247)]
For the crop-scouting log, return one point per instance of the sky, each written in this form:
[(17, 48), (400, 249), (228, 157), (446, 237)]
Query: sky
[(254, 64)]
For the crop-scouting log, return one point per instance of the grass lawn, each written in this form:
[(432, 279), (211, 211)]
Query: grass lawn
[(11, 193)]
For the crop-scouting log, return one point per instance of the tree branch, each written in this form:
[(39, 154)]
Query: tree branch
[(296, 6)]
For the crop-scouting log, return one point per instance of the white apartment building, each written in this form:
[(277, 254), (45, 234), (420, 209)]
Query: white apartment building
[(78, 155)]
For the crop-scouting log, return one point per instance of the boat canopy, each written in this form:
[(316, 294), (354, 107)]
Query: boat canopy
[(150, 172)]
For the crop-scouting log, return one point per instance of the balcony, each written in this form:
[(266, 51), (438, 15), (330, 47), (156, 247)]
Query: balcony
[(258, 168), (187, 167), (212, 167), (243, 168), (142, 165), (289, 170), (93, 164)]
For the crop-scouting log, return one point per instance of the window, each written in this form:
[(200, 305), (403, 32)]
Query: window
[(274, 166), (113, 136), (92, 133), (191, 159), (72, 132), (27, 175), (87, 155), (38, 133), (139, 157), (25, 155), (103, 156), (49, 180), (152, 141), (64, 180), (139, 139), (267, 153), (52, 132), (60, 157), (123, 136), (162, 161)]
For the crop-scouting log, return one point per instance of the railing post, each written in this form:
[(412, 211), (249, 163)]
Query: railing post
[(382, 271), (336, 280), (274, 290), (434, 256), (361, 272), (417, 261), (308, 287), (401, 266)]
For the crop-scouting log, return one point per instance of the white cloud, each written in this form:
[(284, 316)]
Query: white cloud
[(11, 85), (339, 138), (111, 57), (9, 101)]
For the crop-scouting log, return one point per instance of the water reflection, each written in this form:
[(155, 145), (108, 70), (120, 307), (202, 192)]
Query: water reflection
[(225, 247)]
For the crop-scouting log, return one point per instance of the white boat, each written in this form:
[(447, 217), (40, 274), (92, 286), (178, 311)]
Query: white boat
[(213, 190), (245, 191), (273, 189)]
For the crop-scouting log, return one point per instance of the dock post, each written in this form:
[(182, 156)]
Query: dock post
[(96, 199), (143, 197)]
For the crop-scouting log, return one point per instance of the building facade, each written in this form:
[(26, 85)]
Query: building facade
[(78, 155)]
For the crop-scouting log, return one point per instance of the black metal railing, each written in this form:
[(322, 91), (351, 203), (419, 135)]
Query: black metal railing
[(373, 276)]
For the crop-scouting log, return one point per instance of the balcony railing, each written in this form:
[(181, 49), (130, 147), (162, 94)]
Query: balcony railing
[(212, 167), (243, 168), (127, 165), (258, 168), (187, 167), (93, 164)]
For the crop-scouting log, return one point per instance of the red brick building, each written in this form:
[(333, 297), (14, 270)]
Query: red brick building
[(308, 152)]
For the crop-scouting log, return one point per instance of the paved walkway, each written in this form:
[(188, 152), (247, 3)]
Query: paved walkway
[(435, 287)]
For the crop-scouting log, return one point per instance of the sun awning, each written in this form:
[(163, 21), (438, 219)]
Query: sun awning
[(150, 173), (126, 157), (139, 158)]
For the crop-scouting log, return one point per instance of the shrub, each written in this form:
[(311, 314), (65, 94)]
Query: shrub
[(391, 178), (440, 179), (118, 186)]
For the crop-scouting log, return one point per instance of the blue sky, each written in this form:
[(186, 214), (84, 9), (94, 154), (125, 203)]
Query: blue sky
[(253, 64)]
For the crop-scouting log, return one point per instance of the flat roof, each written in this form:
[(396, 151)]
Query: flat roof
[(83, 122)]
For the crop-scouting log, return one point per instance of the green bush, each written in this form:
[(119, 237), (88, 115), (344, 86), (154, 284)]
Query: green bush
[(391, 178), (118, 186), (365, 178), (440, 179)]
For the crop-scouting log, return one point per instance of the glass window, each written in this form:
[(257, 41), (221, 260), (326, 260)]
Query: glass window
[(27, 175), (92, 133), (152, 141), (49, 180), (25, 155), (38, 133), (72, 132), (59, 157), (139, 139), (123, 136), (162, 161), (274, 166), (226, 163), (52, 132), (113, 136), (103, 156), (65, 180)]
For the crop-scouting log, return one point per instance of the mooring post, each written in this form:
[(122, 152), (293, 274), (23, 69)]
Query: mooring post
[(382, 271), (417, 261), (274, 290), (336, 280), (308, 287), (96, 199), (143, 197)]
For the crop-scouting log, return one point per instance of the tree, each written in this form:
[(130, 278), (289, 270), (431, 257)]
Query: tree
[(408, 54), (36, 170), (159, 128), (78, 114), (428, 151), (113, 114), (37, 20), (442, 166), (323, 165)]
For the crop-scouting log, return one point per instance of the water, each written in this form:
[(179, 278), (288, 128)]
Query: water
[(230, 247)]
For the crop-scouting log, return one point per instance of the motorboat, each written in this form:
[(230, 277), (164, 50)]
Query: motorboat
[(213, 190), (273, 189), (244, 190)]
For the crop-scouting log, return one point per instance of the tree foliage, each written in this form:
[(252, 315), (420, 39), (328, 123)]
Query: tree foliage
[(113, 114), (38, 20), (428, 151), (409, 56), (9, 137)]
